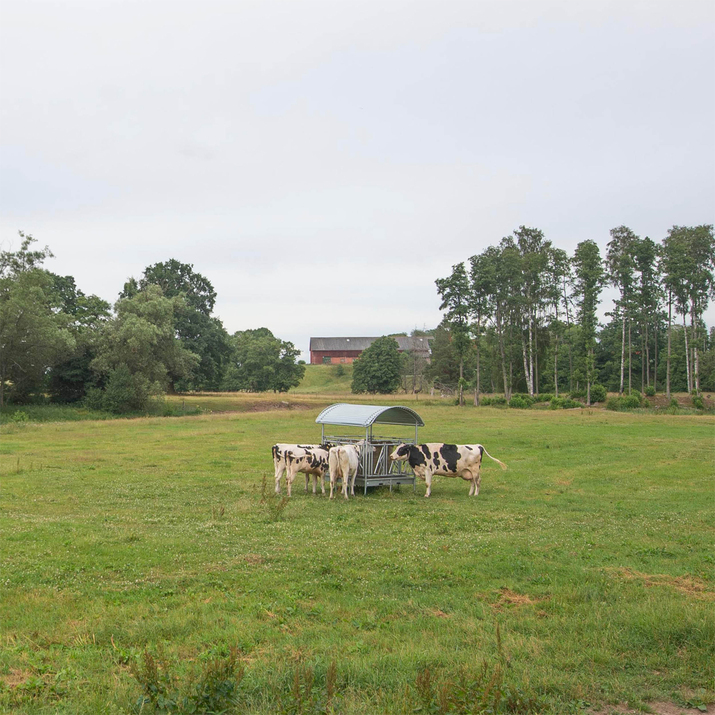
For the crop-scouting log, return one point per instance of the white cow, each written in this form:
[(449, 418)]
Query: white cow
[(311, 459), (449, 460), (344, 461)]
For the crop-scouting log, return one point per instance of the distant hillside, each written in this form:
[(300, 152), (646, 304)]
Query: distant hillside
[(325, 379)]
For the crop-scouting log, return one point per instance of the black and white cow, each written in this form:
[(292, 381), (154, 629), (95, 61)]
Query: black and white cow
[(311, 459), (449, 460)]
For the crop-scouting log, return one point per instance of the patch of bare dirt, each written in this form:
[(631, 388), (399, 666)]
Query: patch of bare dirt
[(508, 598), (15, 677), (656, 708), (685, 584)]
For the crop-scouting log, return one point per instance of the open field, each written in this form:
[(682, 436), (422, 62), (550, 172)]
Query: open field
[(583, 574)]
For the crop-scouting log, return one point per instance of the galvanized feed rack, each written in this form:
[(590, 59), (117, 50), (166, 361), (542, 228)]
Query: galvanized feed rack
[(376, 469)]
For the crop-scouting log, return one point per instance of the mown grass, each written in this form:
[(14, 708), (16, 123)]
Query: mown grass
[(592, 555)]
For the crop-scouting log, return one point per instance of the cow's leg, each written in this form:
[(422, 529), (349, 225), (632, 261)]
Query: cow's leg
[(290, 476), (279, 473), (346, 480), (352, 483), (477, 480), (321, 476), (428, 481), (307, 481)]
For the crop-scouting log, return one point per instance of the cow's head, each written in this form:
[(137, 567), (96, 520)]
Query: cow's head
[(402, 451)]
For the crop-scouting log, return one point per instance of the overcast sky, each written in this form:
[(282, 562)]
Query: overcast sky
[(322, 163)]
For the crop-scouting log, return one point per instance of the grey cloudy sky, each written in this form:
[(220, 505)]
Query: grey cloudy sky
[(321, 163)]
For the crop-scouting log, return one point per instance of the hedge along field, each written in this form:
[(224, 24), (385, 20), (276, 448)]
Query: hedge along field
[(584, 573)]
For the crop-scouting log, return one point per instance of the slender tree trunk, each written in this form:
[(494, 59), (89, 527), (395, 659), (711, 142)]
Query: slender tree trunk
[(526, 366), (647, 357), (556, 365), (536, 361), (696, 366), (687, 355), (630, 359), (501, 351), (623, 353), (478, 386), (589, 366), (568, 328), (670, 330), (655, 358), (461, 384), (531, 356)]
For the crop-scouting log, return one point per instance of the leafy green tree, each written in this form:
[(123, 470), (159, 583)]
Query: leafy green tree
[(377, 370), (69, 379), (199, 332), (588, 271), (482, 288), (455, 293), (647, 299), (620, 261), (261, 362), (141, 338), (34, 332)]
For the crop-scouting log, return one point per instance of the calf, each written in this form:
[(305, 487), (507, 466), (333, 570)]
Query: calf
[(344, 461), (311, 459), (449, 460)]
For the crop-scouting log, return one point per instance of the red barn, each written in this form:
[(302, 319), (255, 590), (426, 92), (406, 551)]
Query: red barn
[(345, 350)]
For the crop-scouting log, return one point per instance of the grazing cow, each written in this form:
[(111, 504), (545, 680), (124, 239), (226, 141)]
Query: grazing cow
[(449, 460), (311, 459), (344, 462)]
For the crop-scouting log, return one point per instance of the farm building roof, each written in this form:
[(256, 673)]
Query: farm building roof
[(404, 343), (344, 413)]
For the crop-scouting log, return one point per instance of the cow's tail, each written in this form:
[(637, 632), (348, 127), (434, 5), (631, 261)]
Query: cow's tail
[(503, 466)]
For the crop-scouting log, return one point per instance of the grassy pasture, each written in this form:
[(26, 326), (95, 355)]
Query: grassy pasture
[(593, 554)]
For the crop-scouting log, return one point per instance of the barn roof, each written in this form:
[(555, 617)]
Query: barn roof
[(344, 413), (352, 343)]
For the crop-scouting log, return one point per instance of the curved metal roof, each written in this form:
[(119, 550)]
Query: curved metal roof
[(343, 413)]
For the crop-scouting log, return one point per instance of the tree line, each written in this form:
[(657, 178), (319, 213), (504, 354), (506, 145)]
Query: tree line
[(522, 316), (161, 335)]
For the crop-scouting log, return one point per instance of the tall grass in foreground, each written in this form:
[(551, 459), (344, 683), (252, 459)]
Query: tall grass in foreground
[(583, 574)]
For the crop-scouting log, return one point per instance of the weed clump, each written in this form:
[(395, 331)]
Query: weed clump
[(214, 690), (274, 503)]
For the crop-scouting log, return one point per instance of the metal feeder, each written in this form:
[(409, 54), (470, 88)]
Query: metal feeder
[(376, 469)]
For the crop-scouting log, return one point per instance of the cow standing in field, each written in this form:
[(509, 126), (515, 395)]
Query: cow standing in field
[(344, 461), (311, 459), (449, 460)]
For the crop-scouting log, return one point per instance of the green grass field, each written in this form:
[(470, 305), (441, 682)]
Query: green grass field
[(581, 578)]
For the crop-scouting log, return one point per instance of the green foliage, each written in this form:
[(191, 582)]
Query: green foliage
[(521, 402), (214, 690), (496, 401), (34, 335), (138, 350), (261, 362), (377, 370), (274, 504), (127, 392), (698, 402), (598, 393), (198, 331), (626, 402), (543, 397), (650, 391)]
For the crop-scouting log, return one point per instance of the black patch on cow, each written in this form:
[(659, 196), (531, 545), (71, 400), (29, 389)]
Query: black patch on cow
[(404, 450), (416, 457), (466, 446), (450, 454), (481, 450), (425, 451)]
